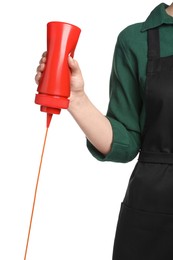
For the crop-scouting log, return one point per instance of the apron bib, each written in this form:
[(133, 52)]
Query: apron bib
[(145, 224)]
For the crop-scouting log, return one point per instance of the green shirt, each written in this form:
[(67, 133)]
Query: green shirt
[(126, 109)]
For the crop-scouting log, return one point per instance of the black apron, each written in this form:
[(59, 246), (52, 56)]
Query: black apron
[(145, 224)]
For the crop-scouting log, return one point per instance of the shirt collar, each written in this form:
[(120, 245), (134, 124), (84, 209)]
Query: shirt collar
[(157, 17)]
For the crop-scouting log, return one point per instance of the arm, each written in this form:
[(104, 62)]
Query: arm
[(125, 104), (93, 123), (116, 136)]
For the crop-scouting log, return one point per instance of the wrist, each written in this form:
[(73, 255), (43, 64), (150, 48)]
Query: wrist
[(77, 101)]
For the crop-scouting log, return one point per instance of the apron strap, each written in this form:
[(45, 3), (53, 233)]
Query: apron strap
[(153, 43)]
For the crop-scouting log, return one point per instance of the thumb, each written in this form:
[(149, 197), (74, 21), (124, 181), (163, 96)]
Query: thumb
[(73, 64)]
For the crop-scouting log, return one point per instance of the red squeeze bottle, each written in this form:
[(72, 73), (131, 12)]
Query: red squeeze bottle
[(54, 87)]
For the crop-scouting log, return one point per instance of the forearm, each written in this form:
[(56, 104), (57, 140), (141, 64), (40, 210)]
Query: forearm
[(93, 123)]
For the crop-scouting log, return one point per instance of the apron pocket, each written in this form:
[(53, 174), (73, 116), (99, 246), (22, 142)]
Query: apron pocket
[(143, 235)]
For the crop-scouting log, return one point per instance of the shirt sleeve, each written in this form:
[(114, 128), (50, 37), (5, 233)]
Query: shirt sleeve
[(124, 106)]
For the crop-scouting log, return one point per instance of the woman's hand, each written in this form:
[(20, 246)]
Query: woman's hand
[(76, 80)]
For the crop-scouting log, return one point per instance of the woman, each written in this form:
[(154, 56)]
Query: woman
[(139, 120)]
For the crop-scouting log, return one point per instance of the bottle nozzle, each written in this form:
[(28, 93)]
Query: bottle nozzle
[(49, 117)]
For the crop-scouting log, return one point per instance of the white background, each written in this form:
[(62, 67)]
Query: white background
[(78, 197)]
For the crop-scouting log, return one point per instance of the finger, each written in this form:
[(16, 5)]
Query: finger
[(41, 67), (43, 60), (38, 77), (44, 54), (73, 64)]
